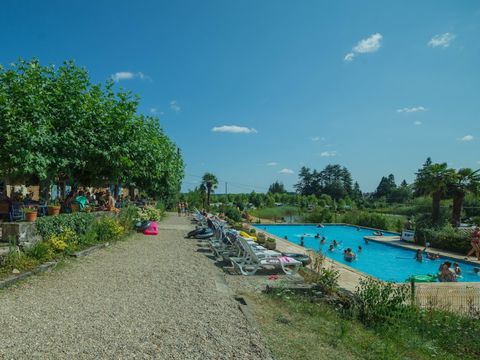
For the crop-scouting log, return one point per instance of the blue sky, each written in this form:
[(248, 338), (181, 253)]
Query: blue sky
[(375, 86)]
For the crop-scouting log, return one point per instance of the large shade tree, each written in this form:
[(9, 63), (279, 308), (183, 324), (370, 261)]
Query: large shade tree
[(58, 127)]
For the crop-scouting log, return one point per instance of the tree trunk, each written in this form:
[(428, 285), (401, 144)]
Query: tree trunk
[(436, 198), (208, 197), (131, 193), (116, 190), (458, 199), (62, 189)]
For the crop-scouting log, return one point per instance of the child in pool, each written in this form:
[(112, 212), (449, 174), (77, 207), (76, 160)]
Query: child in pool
[(331, 247), (457, 269)]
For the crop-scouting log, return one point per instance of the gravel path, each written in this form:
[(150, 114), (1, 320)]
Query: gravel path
[(145, 298)]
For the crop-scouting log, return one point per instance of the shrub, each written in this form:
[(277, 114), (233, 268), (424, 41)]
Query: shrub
[(319, 216), (253, 231), (41, 251), (65, 240), (379, 302), (127, 217), (149, 213), (17, 259), (234, 214), (325, 278), (445, 238), (47, 226), (108, 229)]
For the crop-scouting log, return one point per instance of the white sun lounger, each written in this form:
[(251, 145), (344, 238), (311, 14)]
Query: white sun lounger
[(252, 261)]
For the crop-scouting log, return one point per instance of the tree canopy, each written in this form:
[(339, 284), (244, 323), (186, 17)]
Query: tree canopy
[(55, 125), (333, 180)]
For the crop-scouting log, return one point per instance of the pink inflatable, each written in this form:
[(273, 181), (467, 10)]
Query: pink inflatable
[(152, 230)]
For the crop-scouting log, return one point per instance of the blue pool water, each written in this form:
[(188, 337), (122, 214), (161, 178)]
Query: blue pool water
[(386, 262)]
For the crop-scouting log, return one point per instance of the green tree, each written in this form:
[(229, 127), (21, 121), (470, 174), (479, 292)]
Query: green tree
[(277, 188), (433, 180), (464, 181), (210, 182)]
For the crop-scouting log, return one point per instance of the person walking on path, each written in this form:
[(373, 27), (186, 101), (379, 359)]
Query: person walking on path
[(475, 242), (179, 208)]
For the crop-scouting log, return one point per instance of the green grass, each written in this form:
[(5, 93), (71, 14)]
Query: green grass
[(296, 328)]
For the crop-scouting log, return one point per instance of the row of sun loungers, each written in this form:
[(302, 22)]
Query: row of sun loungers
[(246, 256)]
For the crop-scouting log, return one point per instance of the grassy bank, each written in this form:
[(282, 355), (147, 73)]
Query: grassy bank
[(297, 328), (276, 213)]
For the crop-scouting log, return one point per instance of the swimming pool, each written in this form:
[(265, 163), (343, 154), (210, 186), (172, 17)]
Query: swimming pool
[(386, 262)]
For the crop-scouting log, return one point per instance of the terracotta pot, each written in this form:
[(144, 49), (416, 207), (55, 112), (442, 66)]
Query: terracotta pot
[(53, 210), (31, 216)]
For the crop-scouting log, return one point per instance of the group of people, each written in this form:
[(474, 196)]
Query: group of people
[(182, 208), (448, 274), (100, 200)]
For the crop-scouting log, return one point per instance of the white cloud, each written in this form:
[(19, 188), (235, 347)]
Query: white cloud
[(412, 109), (442, 40), (328, 154), (349, 57), (234, 129), (368, 45), (317, 138), (286, 171), (273, 163), (466, 138), (417, 123), (127, 75), (153, 110), (174, 106)]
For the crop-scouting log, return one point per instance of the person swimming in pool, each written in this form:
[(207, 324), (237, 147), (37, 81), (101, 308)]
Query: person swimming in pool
[(366, 241), (331, 248), (319, 226), (378, 233), (359, 248), (335, 243), (418, 255), (349, 255), (302, 241), (323, 240), (285, 237), (456, 269), (317, 236)]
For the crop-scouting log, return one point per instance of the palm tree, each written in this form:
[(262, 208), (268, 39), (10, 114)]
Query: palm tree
[(210, 182), (434, 180), (465, 181)]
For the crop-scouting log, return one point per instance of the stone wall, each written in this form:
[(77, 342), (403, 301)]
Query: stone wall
[(23, 233)]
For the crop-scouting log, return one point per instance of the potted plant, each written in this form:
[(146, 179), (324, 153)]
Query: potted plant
[(270, 244), (53, 208), (30, 214), (252, 231), (261, 238)]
